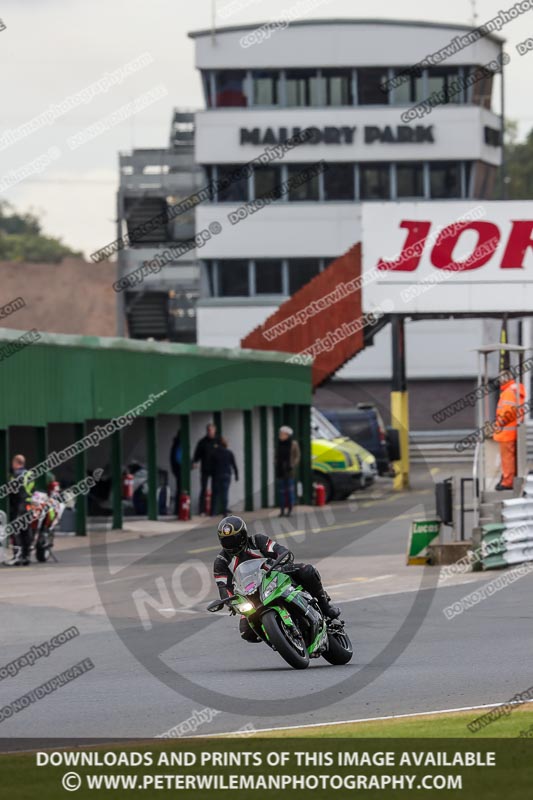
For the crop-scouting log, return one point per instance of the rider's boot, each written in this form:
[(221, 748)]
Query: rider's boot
[(324, 603)]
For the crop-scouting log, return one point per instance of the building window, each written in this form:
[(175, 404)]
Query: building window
[(440, 81), (480, 92), (370, 89), (338, 86), (305, 191), (303, 87), (268, 276), (301, 271), (339, 182), (445, 180), (411, 88), (468, 178), (375, 181), (206, 82), (233, 278), (409, 180), (266, 180), (231, 88), (232, 189), (265, 88)]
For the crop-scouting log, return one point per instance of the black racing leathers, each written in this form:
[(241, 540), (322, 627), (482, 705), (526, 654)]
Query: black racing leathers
[(260, 546)]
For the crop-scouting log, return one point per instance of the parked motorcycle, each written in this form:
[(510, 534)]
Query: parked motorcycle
[(47, 511), (284, 615)]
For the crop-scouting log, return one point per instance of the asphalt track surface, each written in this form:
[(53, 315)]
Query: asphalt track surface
[(146, 680)]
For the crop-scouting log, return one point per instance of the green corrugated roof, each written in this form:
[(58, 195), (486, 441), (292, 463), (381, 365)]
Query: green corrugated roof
[(135, 345), (62, 378)]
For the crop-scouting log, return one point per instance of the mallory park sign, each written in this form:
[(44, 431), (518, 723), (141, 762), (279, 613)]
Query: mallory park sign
[(346, 134)]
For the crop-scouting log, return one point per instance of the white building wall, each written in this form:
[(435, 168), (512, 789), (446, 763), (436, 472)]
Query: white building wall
[(283, 230), (340, 44), (434, 348), (233, 431), (457, 131), (225, 325)]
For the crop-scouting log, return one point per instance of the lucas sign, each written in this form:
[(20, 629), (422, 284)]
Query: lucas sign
[(437, 257)]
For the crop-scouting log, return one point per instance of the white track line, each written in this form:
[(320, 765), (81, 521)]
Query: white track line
[(376, 719)]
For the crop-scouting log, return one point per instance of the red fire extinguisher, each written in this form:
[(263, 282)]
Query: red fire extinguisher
[(127, 486), (184, 511), (208, 501), (320, 494)]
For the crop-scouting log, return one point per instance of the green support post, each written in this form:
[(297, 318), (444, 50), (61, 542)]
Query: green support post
[(305, 446), (263, 434), (151, 458), (290, 417), (248, 462), (217, 419), (81, 474), (4, 467), (185, 429), (41, 434), (116, 478)]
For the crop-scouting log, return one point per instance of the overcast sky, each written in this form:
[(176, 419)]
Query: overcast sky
[(51, 49)]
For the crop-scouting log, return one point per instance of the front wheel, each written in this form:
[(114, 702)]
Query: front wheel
[(287, 641), (340, 649)]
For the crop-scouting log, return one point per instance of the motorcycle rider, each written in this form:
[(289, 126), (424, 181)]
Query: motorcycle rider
[(238, 546), (18, 502)]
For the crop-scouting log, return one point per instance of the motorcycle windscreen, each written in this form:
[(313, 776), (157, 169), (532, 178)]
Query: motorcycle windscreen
[(248, 576)]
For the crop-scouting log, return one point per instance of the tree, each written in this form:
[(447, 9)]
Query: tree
[(21, 239), (519, 167)]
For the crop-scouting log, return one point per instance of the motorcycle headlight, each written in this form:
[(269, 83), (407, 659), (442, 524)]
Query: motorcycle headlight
[(267, 591), (244, 608)]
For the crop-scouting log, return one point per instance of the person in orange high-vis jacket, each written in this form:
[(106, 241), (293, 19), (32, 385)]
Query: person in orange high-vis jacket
[(509, 414)]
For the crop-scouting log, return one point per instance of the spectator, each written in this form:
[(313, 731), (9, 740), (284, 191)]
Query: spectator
[(17, 508), (223, 464), (175, 466), (287, 459), (203, 455)]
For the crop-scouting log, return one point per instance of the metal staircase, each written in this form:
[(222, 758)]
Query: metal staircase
[(147, 314), (334, 332)]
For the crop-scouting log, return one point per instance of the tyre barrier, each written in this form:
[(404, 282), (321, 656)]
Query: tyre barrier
[(510, 541)]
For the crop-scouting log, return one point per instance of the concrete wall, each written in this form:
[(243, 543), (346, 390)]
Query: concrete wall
[(233, 431)]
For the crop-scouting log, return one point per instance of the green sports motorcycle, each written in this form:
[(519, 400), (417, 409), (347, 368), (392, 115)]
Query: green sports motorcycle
[(284, 615)]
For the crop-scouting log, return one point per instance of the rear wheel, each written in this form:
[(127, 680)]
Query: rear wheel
[(42, 553), (288, 641), (340, 649), (324, 481), (42, 548)]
